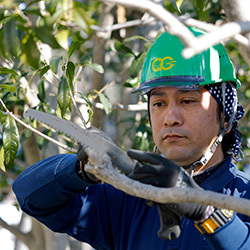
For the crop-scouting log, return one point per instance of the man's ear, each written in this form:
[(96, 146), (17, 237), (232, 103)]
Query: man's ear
[(225, 126)]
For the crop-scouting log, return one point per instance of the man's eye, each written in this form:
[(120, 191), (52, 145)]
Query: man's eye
[(187, 101), (158, 104)]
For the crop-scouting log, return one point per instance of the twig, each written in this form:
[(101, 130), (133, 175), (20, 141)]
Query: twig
[(101, 166), (70, 92), (142, 106), (107, 85), (125, 25)]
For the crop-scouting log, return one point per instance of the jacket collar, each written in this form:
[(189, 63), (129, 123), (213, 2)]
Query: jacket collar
[(221, 176)]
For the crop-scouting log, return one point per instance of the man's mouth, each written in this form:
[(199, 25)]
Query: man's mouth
[(172, 137)]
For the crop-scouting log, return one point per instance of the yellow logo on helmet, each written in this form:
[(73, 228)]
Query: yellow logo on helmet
[(165, 63)]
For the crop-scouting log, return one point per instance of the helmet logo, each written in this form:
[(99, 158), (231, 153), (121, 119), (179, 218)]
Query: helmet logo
[(165, 63)]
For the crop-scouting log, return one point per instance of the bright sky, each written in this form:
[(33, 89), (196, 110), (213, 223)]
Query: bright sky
[(12, 216)]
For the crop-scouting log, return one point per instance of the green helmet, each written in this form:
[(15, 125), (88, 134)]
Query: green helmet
[(165, 66)]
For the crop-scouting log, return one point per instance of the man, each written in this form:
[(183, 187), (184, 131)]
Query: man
[(192, 108)]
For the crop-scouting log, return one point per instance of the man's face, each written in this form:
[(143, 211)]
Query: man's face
[(184, 124)]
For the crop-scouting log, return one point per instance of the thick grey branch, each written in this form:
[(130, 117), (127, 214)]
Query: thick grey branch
[(208, 27), (192, 44), (175, 26), (212, 38), (100, 165)]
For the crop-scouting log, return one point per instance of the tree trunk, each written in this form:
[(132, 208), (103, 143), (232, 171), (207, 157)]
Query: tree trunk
[(106, 19)]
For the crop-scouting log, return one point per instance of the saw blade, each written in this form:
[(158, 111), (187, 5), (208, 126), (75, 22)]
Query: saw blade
[(118, 156)]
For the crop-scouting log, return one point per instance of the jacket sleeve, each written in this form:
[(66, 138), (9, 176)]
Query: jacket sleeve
[(48, 184), (233, 235), (52, 192)]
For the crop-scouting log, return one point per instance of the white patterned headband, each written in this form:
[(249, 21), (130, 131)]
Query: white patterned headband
[(230, 102)]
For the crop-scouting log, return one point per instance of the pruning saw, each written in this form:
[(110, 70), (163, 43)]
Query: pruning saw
[(85, 137)]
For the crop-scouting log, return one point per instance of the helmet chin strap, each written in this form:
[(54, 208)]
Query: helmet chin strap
[(223, 130)]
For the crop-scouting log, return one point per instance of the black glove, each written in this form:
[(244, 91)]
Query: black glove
[(82, 159), (103, 143), (161, 172)]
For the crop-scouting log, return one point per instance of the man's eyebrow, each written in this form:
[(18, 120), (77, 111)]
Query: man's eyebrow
[(158, 92), (184, 91)]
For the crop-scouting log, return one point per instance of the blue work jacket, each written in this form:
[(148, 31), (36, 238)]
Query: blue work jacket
[(107, 218)]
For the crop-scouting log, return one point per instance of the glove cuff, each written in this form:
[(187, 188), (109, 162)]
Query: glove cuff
[(208, 212), (84, 175), (217, 219)]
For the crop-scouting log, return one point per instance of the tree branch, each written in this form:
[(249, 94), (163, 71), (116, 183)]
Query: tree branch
[(174, 26), (141, 106), (203, 42), (125, 25), (193, 45), (25, 237), (208, 27), (100, 165)]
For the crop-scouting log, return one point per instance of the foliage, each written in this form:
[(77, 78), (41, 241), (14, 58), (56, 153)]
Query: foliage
[(65, 28), (27, 30), (47, 48)]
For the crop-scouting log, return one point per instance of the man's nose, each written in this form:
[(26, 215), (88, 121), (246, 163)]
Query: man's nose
[(172, 116)]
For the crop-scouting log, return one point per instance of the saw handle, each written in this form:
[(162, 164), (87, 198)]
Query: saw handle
[(170, 223)]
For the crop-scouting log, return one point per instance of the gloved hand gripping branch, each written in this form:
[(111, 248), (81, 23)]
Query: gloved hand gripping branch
[(82, 159), (160, 172), (119, 157)]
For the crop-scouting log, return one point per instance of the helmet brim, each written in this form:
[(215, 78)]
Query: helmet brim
[(183, 82)]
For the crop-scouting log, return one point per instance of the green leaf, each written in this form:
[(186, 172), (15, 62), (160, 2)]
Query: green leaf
[(89, 106), (43, 71), (50, 20), (5, 71), (122, 49), (132, 83), (2, 166), (106, 103), (10, 140), (41, 92), (62, 37), (11, 41), (97, 67), (82, 18), (136, 65), (72, 48), (11, 88), (44, 34), (63, 97), (30, 54), (179, 3), (133, 38), (54, 63), (70, 73), (200, 5)]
